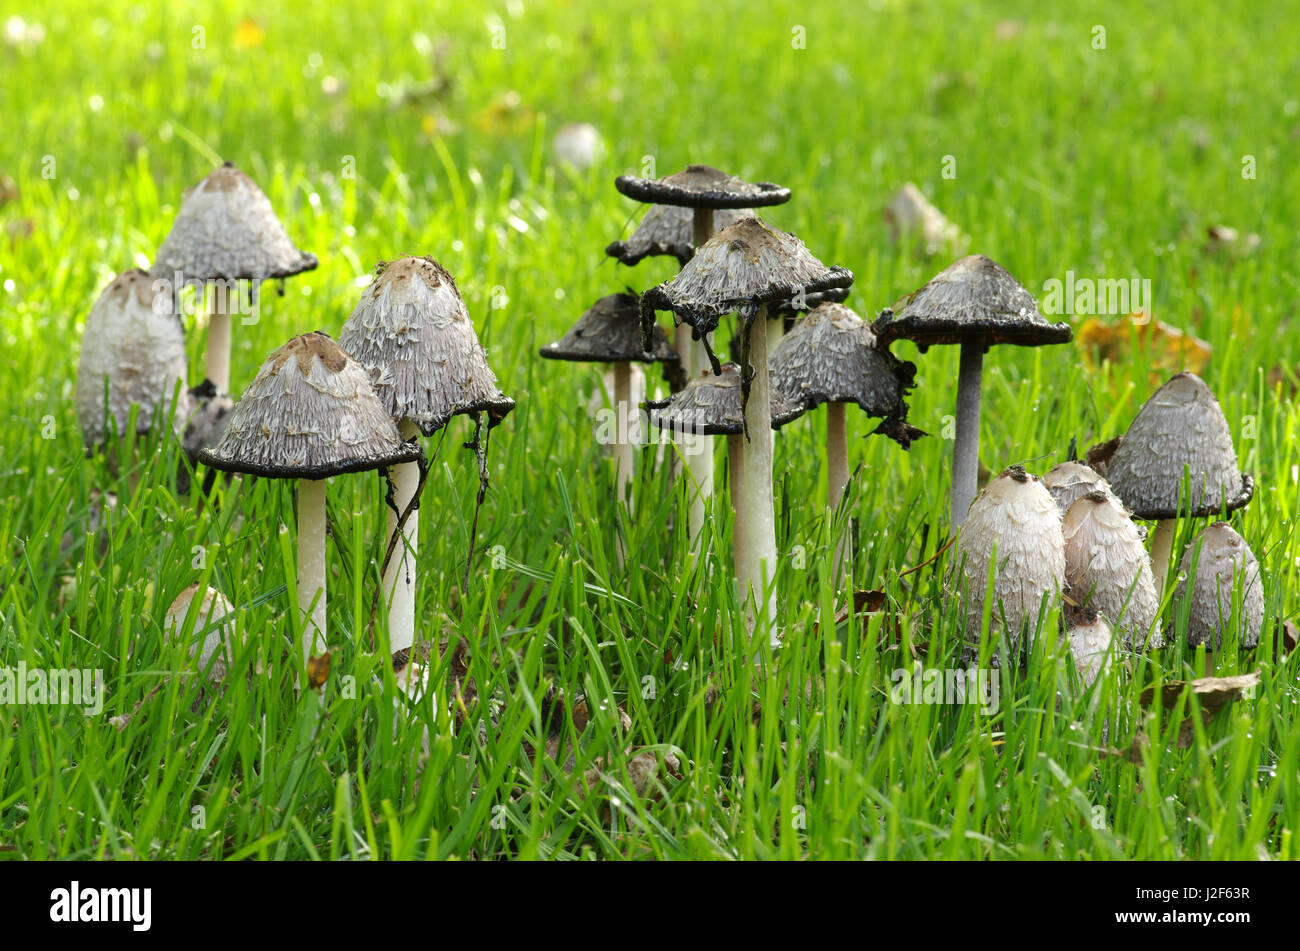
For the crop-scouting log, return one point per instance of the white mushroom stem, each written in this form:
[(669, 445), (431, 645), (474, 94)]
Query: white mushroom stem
[(399, 576), (837, 477), (623, 408), (217, 356), (698, 452), (756, 505), (1162, 542), (736, 473), (775, 331), (311, 564), (966, 448)]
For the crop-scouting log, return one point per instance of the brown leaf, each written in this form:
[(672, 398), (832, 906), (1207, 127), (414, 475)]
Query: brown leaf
[(1212, 693), (1168, 349), (1288, 638), (318, 671)]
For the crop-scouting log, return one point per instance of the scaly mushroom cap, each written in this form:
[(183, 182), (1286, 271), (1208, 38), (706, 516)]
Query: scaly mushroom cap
[(216, 616), (310, 413), (743, 266), (1107, 569), (227, 230), (1017, 515), (1224, 558), (710, 405), (669, 230), (974, 300), (139, 348), (610, 332), (831, 356), (412, 332), (1068, 481), (1090, 638), (1181, 428), (699, 186)]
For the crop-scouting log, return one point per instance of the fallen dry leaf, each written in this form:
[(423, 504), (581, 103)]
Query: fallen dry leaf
[(318, 671), (1168, 349), (1212, 693)]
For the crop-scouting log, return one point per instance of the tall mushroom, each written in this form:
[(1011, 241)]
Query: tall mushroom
[(1180, 435), (132, 353), (705, 191), (610, 332), (711, 405), (225, 232), (1213, 565), (832, 357), (1106, 568), (414, 337), (1016, 518), (310, 413), (976, 303), (744, 268)]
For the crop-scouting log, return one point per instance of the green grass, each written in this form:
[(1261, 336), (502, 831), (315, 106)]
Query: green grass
[(1107, 162)]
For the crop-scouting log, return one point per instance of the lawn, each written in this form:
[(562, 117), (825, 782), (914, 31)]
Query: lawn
[(381, 132)]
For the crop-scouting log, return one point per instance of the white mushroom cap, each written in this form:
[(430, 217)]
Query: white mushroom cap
[(1225, 561), (1107, 569), (139, 348), (1017, 515), (1090, 640), (227, 230), (413, 335), (216, 617), (1068, 481)]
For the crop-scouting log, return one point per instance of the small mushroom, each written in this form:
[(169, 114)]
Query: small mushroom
[(1106, 568), (310, 413), (226, 231), (710, 405), (412, 333), (1216, 562), (1090, 640), (1069, 481), (1179, 434), (610, 332), (976, 303), (745, 268), (1015, 516), (210, 621), (832, 357), (132, 353), (706, 191)]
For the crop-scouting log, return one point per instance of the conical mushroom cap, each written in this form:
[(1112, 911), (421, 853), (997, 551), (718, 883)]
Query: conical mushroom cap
[(700, 186), (1224, 558), (214, 612), (1017, 515), (1107, 568), (412, 333), (309, 414), (1181, 428), (139, 348), (710, 405), (974, 300), (831, 356), (745, 265), (1068, 481), (227, 230), (1090, 640), (669, 230), (610, 332)]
